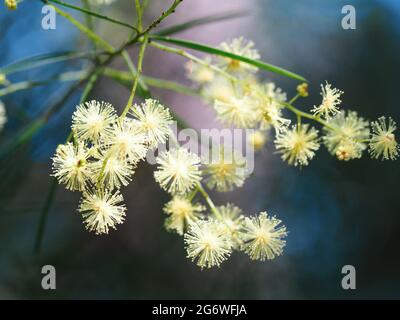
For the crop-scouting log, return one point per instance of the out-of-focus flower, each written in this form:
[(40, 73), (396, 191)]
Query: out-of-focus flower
[(297, 145), (232, 221), (383, 142), (238, 112), (182, 212), (102, 210), (208, 243), (263, 237), (200, 73), (227, 171), (257, 139), (11, 4), (178, 171), (330, 102), (3, 115)]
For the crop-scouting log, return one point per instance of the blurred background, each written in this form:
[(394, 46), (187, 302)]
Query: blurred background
[(337, 213)]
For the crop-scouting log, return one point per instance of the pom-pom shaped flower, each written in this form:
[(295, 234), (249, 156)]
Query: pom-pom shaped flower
[(330, 102), (3, 116), (182, 212), (383, 142), (238, 112), (257, 139), (263, 237), (220, 89), (227, 171), (200, 73), (241, 47), (346, 135), (93, 119), (154, 120), (297, 145), (178, 171), (232, 221), (102, 210), (71, 167), (127, 141), (208, 243), (112, 170)]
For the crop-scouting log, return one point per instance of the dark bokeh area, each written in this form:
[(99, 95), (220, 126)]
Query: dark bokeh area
[(338, 213)]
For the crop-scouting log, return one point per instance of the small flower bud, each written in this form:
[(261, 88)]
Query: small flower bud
[(302, 89), (11, 4)]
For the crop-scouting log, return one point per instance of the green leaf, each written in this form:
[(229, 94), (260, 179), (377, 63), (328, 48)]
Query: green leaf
[(207, 49), (43, 59), (200, 21)]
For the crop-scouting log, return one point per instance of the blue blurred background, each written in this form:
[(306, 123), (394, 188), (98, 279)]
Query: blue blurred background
[(337, 213)]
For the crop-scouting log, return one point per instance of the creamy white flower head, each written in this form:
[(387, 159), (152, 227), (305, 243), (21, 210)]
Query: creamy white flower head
[(154, 120), (220, 89), (297, 145), (263, 237), (348, 150), (3, 115), (114, 170), (178, 171), (226, 170), (200, 73), (102, 210), (71, 167), (383, 142), (182, 212), (241, 47), (347, 131), (232, 222), (330, 102), (207, 243), (127, 141), (238, 112), (93, 119), (257, 139)]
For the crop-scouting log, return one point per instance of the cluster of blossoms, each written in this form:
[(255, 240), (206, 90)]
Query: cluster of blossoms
[(103, 155), (241, 100)]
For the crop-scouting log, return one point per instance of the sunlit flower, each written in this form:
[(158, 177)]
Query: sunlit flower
[(102, 210), (263, 237), (330, 102), (178, 170), (114, 170), (127, 141), (383, 142), (257, 139), (92, 119), (71, 167), (227, 171), (268, 99), (346, 132), (11, 4), (207, 243), (3, 115), (241, 47), (200, 73), (182, 212), (232, 221), (297, 145), (238, 112), (154, 121)]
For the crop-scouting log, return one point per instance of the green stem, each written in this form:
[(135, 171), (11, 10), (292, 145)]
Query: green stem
[(210, 203), (136, 80), (139, 15)]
